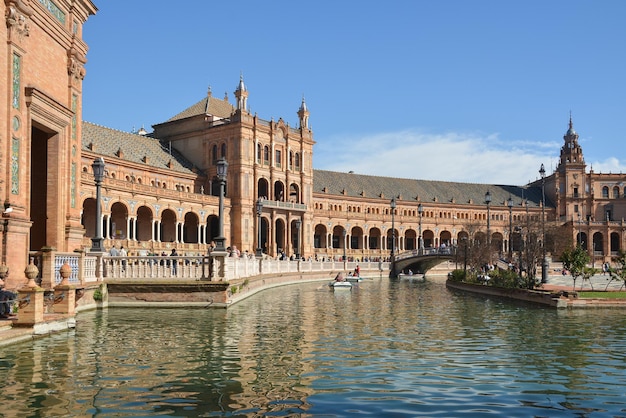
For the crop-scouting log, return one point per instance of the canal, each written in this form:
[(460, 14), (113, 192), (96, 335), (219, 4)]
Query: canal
[(384, 349)]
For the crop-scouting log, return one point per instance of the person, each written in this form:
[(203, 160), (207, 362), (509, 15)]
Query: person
[(6, 299), (174, 261), (339, 277), (113, 252), (357, 271), (124, 254)]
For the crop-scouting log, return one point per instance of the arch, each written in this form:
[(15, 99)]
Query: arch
[(144, 223), (445, 237), (374, 239), (581, 239), (598, 243), (279, 191), (294, 193), (119, 221), (168, 226), (410, 240), (212, 228), (615, 243), (88, 218), (356, 238), (319, 236), (263, 188), (337, 239), (190, 228), (428, 237), (265, 233), (279, 235)]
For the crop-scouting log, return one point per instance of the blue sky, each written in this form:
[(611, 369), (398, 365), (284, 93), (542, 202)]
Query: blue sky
[(475, 91)]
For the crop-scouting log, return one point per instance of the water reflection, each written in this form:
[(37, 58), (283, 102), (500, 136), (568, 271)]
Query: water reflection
[(383, 349)]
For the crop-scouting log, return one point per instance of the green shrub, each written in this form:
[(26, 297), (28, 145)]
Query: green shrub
[(97, 294)]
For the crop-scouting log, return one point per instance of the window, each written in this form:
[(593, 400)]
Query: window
[(576, 192), (266, 154), (615, 192), (278, 160), (259, 153), (297, 161), (605, 192)]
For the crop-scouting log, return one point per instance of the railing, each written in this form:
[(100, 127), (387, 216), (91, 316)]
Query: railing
[(90, 268), (427, 251)]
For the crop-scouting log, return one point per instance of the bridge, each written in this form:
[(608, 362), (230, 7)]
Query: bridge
[(420, 261)]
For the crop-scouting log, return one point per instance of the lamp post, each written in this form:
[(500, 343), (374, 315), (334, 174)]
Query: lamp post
[(509, 203), (298, 225), (464, 239), (344, 244), (98, 175), (420, 244), (222, 168), (544, 263), (488, 202), (259, 211), (393, 228)]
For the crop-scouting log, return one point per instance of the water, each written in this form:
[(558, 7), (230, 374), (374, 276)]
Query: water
[(385, 349)]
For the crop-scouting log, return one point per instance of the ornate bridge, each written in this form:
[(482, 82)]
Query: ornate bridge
[(422, 260)]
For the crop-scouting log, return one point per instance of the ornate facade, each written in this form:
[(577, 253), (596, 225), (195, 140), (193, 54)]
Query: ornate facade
[(160, 189)]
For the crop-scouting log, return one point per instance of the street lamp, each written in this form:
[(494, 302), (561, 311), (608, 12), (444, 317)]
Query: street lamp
[(344, 244), (544, 265), (393, 227), (420, 211), (509, 203), (298, 225), (222, 168), (259, 211), (98, 175), (488, 202)]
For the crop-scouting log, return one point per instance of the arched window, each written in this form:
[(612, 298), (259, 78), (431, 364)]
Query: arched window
[(615, 192), (605, 192), (258, 153), (223, 153), (266, 155), (297, 161), (214, 153)]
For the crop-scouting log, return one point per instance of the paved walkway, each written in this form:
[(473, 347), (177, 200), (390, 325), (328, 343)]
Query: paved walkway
[(599, 282)]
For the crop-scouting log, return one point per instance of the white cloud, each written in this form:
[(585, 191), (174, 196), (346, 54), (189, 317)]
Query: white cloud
[(451, 156), (610, 165)]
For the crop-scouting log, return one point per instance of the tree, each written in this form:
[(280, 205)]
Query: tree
[(575, 260), (619, 271)]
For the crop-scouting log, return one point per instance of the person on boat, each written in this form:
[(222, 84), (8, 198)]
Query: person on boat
[(410, 272), (357, 271), (339, 277)]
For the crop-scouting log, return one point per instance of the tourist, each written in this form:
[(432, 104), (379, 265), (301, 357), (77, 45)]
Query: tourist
[(6, 299), (174, 262), (124, 254)]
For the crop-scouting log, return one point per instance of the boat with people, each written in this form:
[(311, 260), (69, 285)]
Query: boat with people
[(340, 283), (411, 276)]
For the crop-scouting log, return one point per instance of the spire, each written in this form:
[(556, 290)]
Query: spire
[(303, 114), (241, 94), (571, 151)]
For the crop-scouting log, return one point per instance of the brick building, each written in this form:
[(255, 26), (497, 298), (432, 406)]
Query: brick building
[(160, 189)]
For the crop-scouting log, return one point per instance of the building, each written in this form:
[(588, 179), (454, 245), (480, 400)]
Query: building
[(161, 188)]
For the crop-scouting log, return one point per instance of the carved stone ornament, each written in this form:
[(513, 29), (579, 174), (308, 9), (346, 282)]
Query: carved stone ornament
[(17, 18)]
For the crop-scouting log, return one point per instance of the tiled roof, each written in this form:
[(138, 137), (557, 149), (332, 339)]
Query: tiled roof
[(207, 106), (107, 142), (359, 185)]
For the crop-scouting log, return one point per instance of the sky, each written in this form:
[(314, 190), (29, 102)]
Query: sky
[(454, 90)]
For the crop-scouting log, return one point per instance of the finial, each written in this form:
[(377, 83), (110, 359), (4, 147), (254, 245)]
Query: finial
[(209, 91)]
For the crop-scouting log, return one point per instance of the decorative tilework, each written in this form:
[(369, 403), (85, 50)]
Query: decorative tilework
[(15, 166), (54, 10), (17, 67)]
